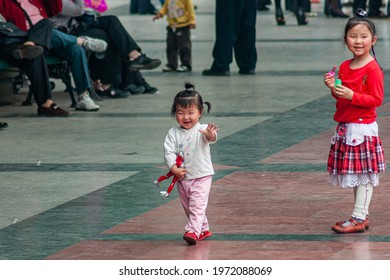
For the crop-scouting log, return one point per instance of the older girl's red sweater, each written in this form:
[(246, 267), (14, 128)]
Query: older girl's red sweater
[(367, 85)]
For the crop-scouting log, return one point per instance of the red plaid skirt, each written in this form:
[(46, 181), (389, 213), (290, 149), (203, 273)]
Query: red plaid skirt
[(367, 157)]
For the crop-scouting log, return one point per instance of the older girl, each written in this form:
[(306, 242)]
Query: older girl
[(356, 155)]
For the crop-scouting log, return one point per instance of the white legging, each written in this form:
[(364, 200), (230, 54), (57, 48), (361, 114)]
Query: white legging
[(363, 194)]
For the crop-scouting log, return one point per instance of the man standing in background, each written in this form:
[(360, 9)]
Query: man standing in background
[(235, 22)]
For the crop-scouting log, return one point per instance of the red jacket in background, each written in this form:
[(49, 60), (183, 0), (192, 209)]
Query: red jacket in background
[(12, 12)]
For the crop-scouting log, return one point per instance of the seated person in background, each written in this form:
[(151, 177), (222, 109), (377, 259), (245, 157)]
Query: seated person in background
[(27, 13), (122, 57), (27, 54)]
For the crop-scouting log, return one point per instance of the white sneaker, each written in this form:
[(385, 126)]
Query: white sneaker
[(166, 68), (86, 103), (183, 68), (94, 45)]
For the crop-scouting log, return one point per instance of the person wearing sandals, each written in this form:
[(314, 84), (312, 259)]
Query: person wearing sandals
[(356, 156), (123, 58)]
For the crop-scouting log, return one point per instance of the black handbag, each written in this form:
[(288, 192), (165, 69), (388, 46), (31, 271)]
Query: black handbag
[(84, 22), (10, 33)]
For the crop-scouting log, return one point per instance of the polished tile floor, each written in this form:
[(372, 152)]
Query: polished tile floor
[(81, 188)]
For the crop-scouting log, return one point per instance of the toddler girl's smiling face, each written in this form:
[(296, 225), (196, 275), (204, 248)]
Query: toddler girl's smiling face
[(187, 117)]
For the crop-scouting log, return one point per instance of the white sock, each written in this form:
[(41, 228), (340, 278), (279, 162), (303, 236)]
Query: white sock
[(362, 201)]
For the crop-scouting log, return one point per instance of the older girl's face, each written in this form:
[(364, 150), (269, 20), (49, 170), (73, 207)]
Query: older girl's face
[(359, 40), (187, 117)]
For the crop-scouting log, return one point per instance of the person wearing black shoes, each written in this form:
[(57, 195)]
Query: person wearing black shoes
[(136, 84), (122, 56), (148, 88), (112, 92), (332, 8), (30, 57), (262, 5), (235, 31), (297, 6), (27, 53), (3, 125), (373, 8), (33, 14)]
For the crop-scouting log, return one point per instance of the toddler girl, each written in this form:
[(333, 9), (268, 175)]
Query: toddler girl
[(191, 140)]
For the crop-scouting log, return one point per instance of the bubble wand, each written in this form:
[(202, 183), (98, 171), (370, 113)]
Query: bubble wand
[(332, 73)]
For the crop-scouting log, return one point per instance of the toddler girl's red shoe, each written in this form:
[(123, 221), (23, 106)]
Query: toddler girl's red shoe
[(205, 235), (190, 238), (351, 226)]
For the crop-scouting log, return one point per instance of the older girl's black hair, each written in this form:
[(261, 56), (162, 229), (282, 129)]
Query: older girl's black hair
[(189, 97)]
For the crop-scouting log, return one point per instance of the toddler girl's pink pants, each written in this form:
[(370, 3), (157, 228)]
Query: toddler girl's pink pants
[(194, 196)]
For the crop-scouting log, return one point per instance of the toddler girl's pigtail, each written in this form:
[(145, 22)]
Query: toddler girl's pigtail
[(208, 106)]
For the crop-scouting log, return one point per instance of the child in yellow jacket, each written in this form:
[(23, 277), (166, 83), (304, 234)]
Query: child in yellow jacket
[(181, 19)]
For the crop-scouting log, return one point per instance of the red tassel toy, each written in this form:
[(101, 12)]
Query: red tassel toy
[(179, 161)]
